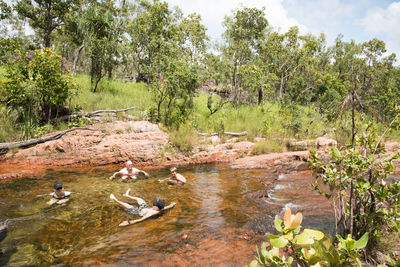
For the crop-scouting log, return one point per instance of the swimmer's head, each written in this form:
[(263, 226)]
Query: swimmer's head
[(57, 186), (158, 203)]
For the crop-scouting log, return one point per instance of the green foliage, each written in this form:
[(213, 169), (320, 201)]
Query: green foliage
[(45, 16), (183, 138), (357, 184), (37, 88), (309, 247), (103, 34)]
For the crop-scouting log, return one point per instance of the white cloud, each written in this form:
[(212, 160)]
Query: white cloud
[(213, 12), (385, 22)]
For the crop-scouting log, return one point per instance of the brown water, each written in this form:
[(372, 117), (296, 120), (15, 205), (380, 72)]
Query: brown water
[(219, 218)]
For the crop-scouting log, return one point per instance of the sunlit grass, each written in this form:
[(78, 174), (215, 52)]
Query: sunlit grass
[(111, 94), (274, 121)]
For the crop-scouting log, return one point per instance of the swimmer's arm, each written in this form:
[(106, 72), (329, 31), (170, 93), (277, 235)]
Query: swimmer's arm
[(129, 222), (115, 175), (144, 173)]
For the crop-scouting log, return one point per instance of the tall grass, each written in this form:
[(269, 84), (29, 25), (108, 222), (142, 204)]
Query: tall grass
[(273, 122), (111, 94)]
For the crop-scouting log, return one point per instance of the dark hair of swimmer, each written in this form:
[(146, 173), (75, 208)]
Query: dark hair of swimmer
[(57, 186), (159, 203)]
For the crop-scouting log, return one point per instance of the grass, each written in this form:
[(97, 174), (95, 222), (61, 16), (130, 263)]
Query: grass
[(274, 122), (111, 94), (183, 138)]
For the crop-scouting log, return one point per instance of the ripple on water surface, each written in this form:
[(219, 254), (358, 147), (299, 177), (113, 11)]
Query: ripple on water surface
[(217, 212)]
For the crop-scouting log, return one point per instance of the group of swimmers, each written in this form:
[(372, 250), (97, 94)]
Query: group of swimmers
[(60, 196)]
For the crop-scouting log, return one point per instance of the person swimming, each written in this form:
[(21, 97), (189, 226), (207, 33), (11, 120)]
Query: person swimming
[(143, 210), (59, 195), (176, 179), (129, 172)]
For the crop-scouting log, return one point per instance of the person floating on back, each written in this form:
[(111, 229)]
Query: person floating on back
[(129, 172), (143, 210), (59, 196), (176, 179)]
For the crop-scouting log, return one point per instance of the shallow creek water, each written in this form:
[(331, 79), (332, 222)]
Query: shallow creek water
[(221, 214)]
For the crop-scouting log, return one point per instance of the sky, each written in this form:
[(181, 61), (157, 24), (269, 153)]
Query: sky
[(359, 20)]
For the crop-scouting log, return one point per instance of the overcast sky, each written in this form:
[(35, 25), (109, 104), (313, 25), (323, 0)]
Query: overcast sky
[(360, 20)]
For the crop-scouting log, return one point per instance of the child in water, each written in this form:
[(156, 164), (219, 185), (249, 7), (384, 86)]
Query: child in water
[(59, 195)]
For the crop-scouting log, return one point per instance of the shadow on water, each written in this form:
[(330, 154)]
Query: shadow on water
[(221, 214)]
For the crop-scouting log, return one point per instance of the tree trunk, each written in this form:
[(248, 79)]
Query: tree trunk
[(76, 57), (260, 96), (49, 22), (353, 124)]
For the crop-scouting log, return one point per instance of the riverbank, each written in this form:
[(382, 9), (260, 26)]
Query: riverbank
[(146, 145)]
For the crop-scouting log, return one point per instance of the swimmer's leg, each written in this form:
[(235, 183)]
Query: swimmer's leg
[(122, 204), (138, 199)]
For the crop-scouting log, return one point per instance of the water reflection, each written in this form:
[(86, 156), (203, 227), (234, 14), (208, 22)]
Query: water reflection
[(215, 209)]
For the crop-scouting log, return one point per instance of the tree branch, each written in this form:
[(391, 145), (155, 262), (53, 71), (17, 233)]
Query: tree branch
[(4, 147)]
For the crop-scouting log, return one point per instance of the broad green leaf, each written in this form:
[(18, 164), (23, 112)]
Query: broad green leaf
[(316, 235), (303, 239), (297, 230), (362, 242), (279, 242), (263, 249), (288, 236), (278, 224), (272, 237)]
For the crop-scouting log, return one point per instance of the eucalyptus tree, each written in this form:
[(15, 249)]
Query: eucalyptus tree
[(149, 33), (364, 73), (167, 49), (244, 31), (102, 35), (45, 16)]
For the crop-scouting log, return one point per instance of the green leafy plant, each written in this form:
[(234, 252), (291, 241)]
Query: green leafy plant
[(308, 247), (355, 179)]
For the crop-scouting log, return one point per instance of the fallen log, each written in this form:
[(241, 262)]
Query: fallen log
[(93, 113), (227, 133), (4, 147)]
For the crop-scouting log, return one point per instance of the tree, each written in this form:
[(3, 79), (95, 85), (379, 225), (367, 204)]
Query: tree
[(363, 72), (243, 34), (103, 35), (45, 16), (37, 87), (149, 33)]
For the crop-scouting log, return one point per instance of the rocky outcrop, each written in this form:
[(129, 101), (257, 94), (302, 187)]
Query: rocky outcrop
[(139, 141), (147, 146), (320, 143), (282, 162)]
